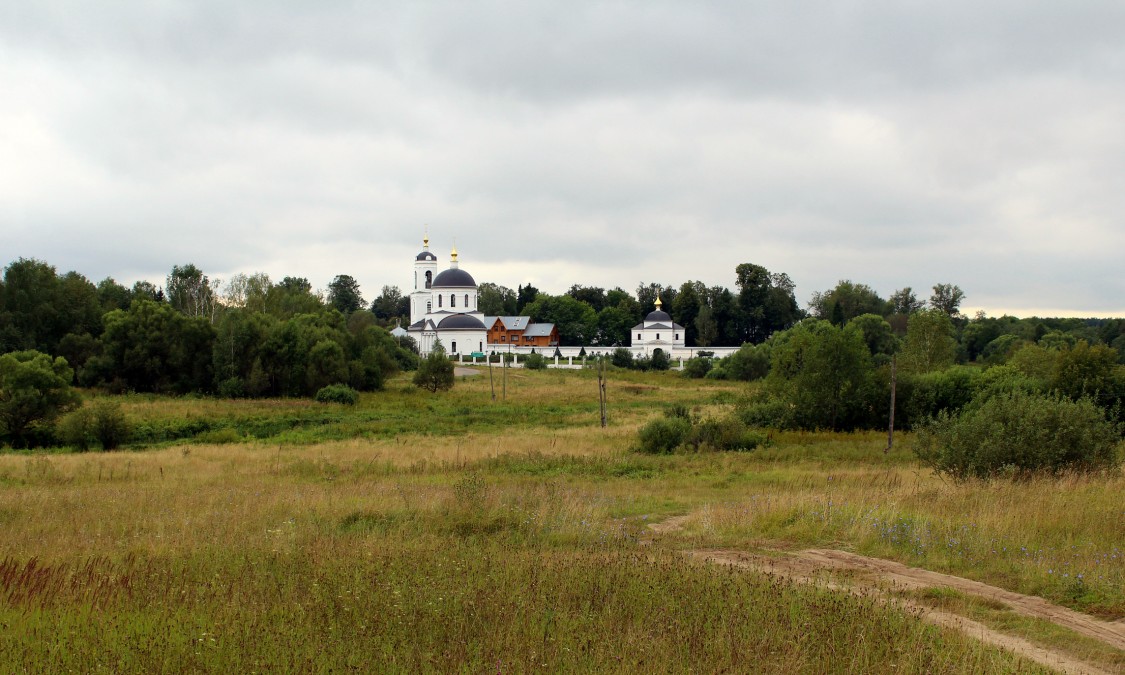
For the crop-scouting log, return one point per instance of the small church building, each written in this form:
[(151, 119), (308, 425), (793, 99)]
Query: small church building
[(657, 331)]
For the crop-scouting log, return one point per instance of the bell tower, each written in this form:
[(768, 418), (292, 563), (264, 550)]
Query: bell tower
[(425, 269)]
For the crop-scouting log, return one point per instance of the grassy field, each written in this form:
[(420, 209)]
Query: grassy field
[(420, 532)]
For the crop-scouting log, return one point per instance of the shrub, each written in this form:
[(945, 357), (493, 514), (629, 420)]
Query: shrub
[(622, 358), (769, 412), (111, 427), (535, 362), (663, 435), (103, 423), (729, 433), (435, 372), (232, 387), (1020, 432), (749, 363), (696, 368), (660, 360), (76, 429), (337, 393)]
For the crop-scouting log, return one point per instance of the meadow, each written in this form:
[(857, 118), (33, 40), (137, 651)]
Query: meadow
[(453, 532)]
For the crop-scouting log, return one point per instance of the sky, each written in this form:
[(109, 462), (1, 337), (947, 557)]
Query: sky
[(891, 143)]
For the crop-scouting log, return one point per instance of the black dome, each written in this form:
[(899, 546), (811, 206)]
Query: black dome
[(658, 315), (425, 255), (454, 278), (460, 321)]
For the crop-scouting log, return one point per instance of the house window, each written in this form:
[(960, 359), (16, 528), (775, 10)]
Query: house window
[(677, 336), (466, 300), (429, 278), (638, 336), (439, 301), (503, 338), (429, 306), (452, 300), (454, 346), (658, 336)]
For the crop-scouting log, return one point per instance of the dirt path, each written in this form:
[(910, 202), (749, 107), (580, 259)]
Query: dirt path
[(877, 577)]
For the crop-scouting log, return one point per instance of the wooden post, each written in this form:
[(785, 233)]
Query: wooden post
[(601, 388), (490, 383), (891, 424)]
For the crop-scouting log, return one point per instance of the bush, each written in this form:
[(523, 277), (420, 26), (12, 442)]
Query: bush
[(1020, 432), (435, 372), (696, 368), (76, 429), (535, 362), (622, 358), (103, 423), (232, 387), (337, 393), (749, 363), (111, 428), (663, 435), (728, 433), (771, 412), (660, 360)]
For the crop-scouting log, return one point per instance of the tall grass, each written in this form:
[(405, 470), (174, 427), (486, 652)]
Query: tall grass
[(478, 535)]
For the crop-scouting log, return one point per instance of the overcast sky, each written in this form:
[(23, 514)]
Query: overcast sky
[(893, 143)]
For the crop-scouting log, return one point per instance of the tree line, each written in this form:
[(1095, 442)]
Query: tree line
[(249, 336)]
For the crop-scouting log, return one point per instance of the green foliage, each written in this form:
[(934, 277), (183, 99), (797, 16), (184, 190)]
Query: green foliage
[(1022, 433), (765, 302), (190, 292), (925, 395), (877, 334), (153, 347), (660, 360), (622, 358), (697, 368), (435, 372), (847, 300), (576, 321), (824, 372), (39, 307), (751, 362), (678, 428), (34, 392), (663, 435), (344, 295), (929, 344), (535, 361), (337, 393), (946, 299)]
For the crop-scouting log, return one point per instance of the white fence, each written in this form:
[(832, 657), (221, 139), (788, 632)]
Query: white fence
[(571, 357)]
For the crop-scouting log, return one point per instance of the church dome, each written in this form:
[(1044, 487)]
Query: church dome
[(658, 314), (460, 321), (454, 278), (426, 255)]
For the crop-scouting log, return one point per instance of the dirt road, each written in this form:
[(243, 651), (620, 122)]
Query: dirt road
[(879, 578)]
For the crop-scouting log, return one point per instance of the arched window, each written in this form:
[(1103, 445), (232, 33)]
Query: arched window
[(454, 350), (466, 301), (429, 307), (452, 300), (439, 302), (429, 278), (415, 281)]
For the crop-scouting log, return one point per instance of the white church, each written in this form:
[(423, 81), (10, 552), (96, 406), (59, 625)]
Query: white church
[(444, 306)]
